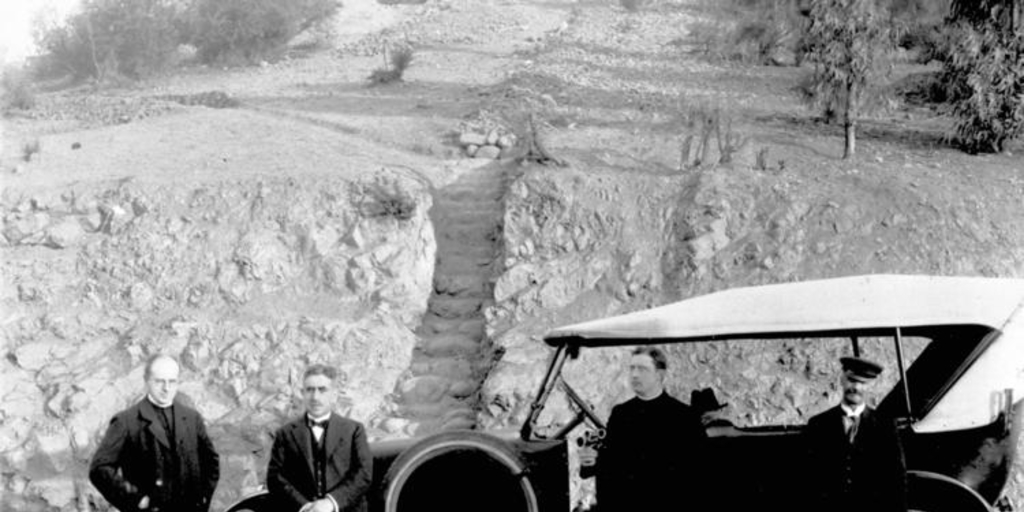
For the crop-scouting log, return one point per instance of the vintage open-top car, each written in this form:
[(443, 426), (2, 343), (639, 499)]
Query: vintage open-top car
[(958, 355)]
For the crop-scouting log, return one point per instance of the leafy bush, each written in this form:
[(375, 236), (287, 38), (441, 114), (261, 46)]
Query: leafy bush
[(384, 197), (922, 89), (394, 67), (130, 38), (927, 39), (247, 31), (758, 40), (985, 70), (764, 28), (17, 90)]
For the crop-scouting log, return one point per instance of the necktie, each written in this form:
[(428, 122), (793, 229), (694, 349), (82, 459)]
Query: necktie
[(852, 422), (317, 427)]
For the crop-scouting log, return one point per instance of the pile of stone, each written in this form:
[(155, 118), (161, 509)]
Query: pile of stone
[(99, 110), (494, 144)]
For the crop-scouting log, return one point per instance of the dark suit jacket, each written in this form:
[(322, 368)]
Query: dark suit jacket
[(135, 460), (349, 472), (653, 453), (870, 474)]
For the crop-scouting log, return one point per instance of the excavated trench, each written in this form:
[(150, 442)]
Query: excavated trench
[(452, 355)]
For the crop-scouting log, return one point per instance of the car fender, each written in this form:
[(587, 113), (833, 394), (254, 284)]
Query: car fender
[(448, 442), (934, 492)]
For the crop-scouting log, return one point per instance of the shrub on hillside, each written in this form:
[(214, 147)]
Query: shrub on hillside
[(246, 31), (394, 67), (131, 38), (985, 72), (17, 90), (759, 40), (926, 40), (764, 28)]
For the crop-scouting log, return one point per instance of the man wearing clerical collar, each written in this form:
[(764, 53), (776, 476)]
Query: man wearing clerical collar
[(156, 455), (855, 460), (654, 450), (334, 447)]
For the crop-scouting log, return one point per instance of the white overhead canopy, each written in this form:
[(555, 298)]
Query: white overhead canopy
[(839, 304)]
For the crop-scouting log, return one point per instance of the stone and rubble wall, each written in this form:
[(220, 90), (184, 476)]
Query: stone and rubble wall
[(245, 281), (582, 245)]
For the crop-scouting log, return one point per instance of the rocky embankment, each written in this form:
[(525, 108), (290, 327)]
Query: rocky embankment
[(583, 245), (246, 280)]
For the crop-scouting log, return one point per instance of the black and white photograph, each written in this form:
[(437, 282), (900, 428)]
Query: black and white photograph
[(512, 255)]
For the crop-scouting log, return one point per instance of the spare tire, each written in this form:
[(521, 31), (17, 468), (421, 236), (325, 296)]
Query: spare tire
[(456, 471)]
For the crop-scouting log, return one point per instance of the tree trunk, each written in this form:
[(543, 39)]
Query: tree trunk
[(850, 126), (851, 138)]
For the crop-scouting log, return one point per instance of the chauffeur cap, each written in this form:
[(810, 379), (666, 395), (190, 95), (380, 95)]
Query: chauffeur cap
[(860, 368)]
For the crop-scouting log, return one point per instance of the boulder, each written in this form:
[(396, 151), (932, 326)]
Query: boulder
[(472, 139), (488, 152)]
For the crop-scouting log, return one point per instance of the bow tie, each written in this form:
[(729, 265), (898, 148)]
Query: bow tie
[(313, 423)]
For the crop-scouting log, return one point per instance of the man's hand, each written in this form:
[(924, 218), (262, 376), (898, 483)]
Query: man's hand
[(587, 455), (321, 505)]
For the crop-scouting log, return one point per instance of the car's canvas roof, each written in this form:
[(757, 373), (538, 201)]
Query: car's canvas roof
[(840, 304)]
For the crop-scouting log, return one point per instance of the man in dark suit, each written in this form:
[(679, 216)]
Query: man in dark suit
[(320, 462), (653, 452), (156, 455), (855, 458)]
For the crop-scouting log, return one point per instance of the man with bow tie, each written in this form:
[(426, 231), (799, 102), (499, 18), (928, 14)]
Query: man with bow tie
[(855, 458), (320, 462), (156, 455)]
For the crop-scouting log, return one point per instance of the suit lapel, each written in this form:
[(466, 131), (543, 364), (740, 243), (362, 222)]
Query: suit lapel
[(148, 413), (839, 423), (303, 438), (333, 436)]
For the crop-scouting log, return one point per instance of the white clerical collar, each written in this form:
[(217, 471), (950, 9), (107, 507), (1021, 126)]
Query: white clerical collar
[(652, 397), (321, 418), (156, 404), (852, 411)]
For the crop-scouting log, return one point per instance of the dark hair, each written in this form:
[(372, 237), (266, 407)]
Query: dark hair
[(656, 355), (153, 359), (321, 369)]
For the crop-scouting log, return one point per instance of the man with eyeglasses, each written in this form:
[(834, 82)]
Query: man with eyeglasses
[(321, 461), (156, 455), (653, 452)]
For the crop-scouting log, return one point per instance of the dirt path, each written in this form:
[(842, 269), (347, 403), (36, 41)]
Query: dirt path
[(452, 356)]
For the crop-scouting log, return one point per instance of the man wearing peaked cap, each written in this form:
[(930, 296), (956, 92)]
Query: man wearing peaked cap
[(855, 460), (860, 368)]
